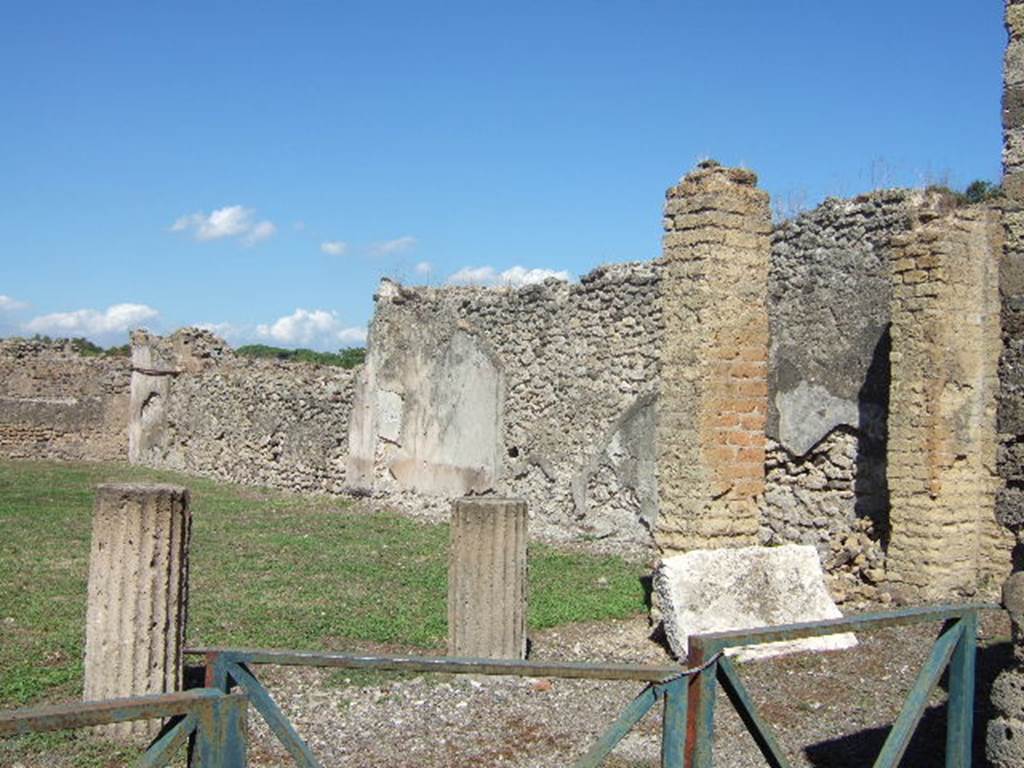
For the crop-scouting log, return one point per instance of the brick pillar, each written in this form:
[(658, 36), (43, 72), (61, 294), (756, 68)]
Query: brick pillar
[(714, 360), (138, 595), (487, 579), (942, 408)]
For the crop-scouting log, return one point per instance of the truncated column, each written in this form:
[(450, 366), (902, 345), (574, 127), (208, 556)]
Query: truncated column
[(942, 409), (138, 595), (487, 579), (714, 360)]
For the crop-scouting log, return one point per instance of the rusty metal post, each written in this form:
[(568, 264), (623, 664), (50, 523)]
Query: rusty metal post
[(700, 715)]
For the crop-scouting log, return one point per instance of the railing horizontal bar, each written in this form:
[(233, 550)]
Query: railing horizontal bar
[(88, 713), (715, 641), (513, 667)]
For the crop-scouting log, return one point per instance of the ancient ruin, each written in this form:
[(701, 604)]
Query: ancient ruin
[(850, 378), (138, 596)]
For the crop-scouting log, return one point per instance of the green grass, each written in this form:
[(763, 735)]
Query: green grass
[(268, 569)]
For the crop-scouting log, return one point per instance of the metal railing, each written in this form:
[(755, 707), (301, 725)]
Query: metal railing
[(687, 694), (212, 719), (955, 648)]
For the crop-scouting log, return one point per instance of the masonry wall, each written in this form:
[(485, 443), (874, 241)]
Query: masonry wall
[(942, 438), (1010, 505), (828, 299), (714, 360), (58, 404), (197, 407), (566, 376)]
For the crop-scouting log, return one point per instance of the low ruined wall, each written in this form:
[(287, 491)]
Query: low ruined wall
[(197, 407), (58, 404), (544, 392)]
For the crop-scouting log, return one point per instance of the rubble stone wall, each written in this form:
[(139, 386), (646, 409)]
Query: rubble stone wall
[(58, 404), (567, 373), (1010, 505), (197, 407)]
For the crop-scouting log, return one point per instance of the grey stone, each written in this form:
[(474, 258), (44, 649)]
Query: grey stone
[(138, 597), (487, 579), (807, 413), (745, 588)]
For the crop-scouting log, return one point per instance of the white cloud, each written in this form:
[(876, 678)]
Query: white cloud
[(397, 245), (424, 268), (114, 319), (514, 277), (230, 221), (264, 230), (311, 328), (8, 304), (334, 247), (222, 330)]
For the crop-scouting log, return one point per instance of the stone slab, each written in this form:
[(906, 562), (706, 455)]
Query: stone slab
[(714, 590)]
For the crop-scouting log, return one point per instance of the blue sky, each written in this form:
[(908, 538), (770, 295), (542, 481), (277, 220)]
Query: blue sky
[(259, 166)]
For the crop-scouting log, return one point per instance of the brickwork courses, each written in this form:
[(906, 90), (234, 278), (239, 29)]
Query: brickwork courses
[(714, 360), (942, 437)]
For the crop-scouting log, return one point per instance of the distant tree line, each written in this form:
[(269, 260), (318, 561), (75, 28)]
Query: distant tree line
[(978, 191), (343, 358), (86, 348)]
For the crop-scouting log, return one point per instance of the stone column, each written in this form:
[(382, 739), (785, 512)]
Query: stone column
[(945, 540), (714, 360), (487, 579), (152, 371), (138, 596)]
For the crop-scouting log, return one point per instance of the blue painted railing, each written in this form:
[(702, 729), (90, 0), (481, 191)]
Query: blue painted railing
[(687, 694), (212, 719), (955, 648)]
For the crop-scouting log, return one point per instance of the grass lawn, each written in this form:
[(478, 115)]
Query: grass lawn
[(268, 569)]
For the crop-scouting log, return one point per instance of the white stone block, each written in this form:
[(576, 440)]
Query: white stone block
[(715, 590)]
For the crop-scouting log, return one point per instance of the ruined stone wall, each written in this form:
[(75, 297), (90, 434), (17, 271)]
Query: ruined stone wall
[(828, 304), (1010, 505), (942, 437), (58, 404), (544, 392), (197, 407)]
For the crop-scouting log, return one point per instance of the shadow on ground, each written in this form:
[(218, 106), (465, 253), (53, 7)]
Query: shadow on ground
[(928, 745)]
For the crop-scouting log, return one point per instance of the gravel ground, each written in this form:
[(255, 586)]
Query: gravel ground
[(828, 709)]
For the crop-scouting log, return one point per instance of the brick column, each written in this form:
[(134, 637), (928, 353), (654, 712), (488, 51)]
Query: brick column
[(714, 360), (942, 408), (138, 595), (487, 579)]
